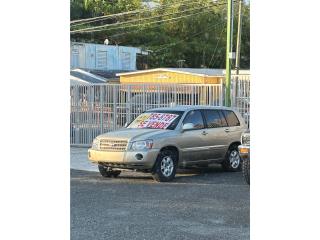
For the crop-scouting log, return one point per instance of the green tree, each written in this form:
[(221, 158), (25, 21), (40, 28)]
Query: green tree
[(198, 39)]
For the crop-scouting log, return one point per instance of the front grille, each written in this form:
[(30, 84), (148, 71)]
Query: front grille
[(113, 145)]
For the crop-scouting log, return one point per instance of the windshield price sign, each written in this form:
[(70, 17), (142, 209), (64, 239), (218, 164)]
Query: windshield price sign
[(154, 120)]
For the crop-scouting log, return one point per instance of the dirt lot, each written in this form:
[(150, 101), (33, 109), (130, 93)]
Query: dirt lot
[(199, 204)]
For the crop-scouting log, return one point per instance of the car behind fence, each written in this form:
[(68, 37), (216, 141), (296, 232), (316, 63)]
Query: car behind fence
[(100, 108)]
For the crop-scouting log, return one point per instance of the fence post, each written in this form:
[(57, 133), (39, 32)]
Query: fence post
[(77, 117), (222, 94), (175, 94), (129, 102), (210, 94), (144, 98), (101, 109), (114, 108)]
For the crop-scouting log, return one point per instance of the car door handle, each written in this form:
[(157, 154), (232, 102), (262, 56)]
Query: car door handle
[(204, 133), (227, 130)]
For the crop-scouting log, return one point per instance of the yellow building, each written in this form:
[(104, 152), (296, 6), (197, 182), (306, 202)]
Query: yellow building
[(174, 75), (165, 76)]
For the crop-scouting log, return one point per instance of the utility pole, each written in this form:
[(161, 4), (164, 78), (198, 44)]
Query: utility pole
[(238, 47), (239, 38), (229, 54)]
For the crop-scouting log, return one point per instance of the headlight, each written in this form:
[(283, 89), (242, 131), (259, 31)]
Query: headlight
[(96, 144), (245, 139), (142, 145)]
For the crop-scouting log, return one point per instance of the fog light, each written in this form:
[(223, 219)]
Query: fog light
[(139, 156)]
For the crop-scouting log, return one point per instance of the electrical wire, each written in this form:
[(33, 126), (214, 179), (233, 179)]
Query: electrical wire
[(132, 12), (193, 35), (134, 25), (138, 20), (163, 7), (215, 49)]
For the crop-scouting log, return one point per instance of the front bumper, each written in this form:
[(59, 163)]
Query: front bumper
[(244, 151), (126, 160)]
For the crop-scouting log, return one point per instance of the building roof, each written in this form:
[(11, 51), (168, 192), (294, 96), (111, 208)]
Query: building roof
[(193, 71), (108, 74), (79, 76)]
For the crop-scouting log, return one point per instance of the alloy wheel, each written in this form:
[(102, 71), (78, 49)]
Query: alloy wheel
[(234, 159), (167, 166)]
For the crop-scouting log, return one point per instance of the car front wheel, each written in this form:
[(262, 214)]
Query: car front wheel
[(165, 166), (108, 172)]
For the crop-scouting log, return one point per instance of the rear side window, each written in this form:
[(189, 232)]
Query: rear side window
[(231, 118), (223, 119), (213, 118), (194, 117)]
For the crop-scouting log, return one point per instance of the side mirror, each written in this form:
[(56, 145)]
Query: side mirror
[(126, 125), (187, 126)]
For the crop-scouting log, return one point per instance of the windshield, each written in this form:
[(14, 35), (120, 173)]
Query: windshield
[(157, 120)]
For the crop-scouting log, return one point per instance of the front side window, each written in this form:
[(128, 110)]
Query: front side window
[(231, 118), (194, 117), (213, 118)]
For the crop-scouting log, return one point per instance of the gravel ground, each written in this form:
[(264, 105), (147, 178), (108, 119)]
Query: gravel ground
[(199, 204)]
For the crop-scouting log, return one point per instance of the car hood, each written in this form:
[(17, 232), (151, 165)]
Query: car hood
[(133, 134)]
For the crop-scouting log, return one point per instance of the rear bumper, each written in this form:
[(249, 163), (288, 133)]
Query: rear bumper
[(127, 160)]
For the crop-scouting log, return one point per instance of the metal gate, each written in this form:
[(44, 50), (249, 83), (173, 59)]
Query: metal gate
[(100, 108), (240, 87)]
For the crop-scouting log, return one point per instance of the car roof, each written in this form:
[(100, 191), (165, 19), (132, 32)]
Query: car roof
[(189, 107)]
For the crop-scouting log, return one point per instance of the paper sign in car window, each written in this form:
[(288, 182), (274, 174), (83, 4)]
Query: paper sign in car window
[(140, 121), (154, 120), (160, 120)]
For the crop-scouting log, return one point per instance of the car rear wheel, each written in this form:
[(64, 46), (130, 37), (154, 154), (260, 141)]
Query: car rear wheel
[(108, 172), (165, 166), (232, 162)]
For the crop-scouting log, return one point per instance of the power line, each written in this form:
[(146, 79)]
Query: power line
[(162, 7), (136, 20), (129, 12), (134, 31), (118, 14), (215, 49), (160, 21), (134, 25), (193, 35)]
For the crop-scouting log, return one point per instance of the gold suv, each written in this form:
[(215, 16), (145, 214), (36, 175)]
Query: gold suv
[(161, 140)]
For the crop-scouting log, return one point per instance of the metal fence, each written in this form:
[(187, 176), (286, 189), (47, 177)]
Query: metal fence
[(100, 108), (240, 87)]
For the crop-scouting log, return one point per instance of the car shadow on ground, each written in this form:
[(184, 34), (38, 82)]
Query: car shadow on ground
[(213, 174)]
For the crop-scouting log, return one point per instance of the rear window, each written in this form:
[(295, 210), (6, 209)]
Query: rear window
[(231, 118)]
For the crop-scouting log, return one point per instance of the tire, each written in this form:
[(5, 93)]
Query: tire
[(107, 173), (246, 170), (166, 166), (232, 162), (115, 173)]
